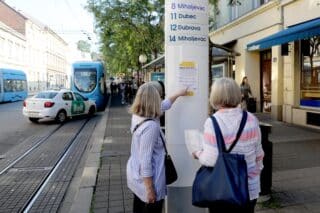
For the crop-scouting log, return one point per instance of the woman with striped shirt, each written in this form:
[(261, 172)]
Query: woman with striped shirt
[(225, 97), (145, 167)]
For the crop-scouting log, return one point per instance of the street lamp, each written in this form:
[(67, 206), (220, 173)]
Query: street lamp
[(142, 60)]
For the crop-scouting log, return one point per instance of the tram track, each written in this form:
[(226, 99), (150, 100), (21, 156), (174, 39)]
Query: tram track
[(33, 175), (37, 143)]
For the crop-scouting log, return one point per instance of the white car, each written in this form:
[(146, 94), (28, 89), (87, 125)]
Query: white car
[(58, 105)]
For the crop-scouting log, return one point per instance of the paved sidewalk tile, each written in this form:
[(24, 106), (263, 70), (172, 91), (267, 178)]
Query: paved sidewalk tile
[(111, 192)]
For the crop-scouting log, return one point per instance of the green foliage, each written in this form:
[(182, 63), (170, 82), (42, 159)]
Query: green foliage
[(83, 46), (127, 29)]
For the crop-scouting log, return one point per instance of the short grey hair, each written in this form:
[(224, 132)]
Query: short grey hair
[(225, 92)]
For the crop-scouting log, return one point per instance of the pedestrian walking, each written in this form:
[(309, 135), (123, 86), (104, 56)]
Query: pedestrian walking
[(122, 88), (145, 167), (245, 92), (225, 97), (129, 92), (134, 88)]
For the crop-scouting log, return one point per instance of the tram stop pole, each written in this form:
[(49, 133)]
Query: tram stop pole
[(186, 65)]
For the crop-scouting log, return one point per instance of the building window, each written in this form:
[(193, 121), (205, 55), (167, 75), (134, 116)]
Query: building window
[(2, 45), (258, 3), (10, 48), (310, 72)]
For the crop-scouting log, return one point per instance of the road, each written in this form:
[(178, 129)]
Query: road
[(14, 127), (38, 161)]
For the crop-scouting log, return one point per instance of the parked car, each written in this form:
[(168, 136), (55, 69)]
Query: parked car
[(58, 105)]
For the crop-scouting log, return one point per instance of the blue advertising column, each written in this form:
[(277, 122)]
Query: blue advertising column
[(186, 60)]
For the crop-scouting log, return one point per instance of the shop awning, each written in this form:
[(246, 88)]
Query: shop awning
[(297, 32), (155, 63)]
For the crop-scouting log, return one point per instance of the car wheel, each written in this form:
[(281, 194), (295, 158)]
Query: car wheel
[(34, 120), (92, 110), (61, 116)]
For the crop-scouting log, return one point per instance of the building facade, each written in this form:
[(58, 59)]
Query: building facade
[(12, 41), (56, 54), (34, 48), (279, 53), (12, 48)]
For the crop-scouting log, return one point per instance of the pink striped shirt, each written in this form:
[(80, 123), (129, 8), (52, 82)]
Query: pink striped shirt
[(249, 144)]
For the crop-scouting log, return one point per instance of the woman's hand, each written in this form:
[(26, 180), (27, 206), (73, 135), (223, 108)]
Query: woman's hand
[(151, 195), (183, 92)]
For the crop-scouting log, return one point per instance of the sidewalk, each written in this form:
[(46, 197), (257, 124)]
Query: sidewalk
[(111, 193), (296, 166), (296, 169)]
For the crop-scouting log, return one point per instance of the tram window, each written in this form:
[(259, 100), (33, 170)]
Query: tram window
[(102, 85), (15, 85), (8, 86), (85, 80), (19, 86), (24, 85)]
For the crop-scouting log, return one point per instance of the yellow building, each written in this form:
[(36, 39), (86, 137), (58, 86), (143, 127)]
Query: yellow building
[(279, 46)]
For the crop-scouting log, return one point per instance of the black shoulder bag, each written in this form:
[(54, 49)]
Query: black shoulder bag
[(170, 170)]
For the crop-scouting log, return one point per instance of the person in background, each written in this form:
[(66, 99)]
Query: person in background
[(145, 166), (245, 92), (134, 88), (122, 88), (225, 97), (128, 92)]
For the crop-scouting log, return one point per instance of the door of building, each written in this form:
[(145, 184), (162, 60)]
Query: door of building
[(265, 80)]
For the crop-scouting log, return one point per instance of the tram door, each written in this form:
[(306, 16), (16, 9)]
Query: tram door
[(265, 81)]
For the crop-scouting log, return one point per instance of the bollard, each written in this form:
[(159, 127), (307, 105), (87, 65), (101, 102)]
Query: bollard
[(266, 173)]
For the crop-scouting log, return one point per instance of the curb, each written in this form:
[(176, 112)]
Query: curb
[(83, 196)]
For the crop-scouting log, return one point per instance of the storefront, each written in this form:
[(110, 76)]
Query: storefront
[(300, 48), (280, 55)]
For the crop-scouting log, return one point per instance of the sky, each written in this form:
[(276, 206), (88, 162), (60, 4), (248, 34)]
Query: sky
[(67, 18)]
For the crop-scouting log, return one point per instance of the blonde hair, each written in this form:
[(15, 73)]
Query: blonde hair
[(225, 92), (147, 102)]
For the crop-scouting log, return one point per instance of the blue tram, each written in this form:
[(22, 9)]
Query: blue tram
[(13, 85), (88, 78)]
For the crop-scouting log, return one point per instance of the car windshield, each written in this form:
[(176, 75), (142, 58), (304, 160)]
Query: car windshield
[(85, 80), (46, 95)]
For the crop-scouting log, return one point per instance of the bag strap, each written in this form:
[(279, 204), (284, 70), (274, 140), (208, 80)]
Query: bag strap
[(149, 119), (139, 124), (219, 137), (164, 143)]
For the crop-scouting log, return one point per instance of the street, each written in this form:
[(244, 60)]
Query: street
[(38, 161), (15, 128)]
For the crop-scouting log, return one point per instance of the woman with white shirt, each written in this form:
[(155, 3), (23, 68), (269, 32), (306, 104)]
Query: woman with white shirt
[(225, 97), (145, 167)]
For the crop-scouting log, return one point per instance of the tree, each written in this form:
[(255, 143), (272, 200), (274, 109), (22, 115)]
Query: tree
[(83, 46), (128, 29)]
